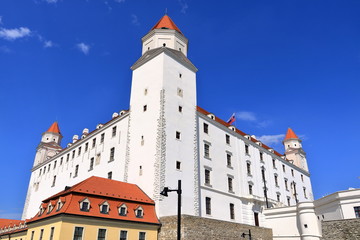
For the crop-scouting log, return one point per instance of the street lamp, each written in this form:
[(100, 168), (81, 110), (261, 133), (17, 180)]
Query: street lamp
[(164, 192), (246, 234)]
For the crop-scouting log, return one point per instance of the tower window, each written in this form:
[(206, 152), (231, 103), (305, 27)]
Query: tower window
[(207, 177), (206, 150), (292, 172), (288, 201), (114, 131), (79, 151), (357, 212), (61, 160), (286, 185), (232, 211), (91, 164), (142, 140), (86, 146), (230, 184), (102, 138), (276, 180), (178, 165), (274, 163), (248, 168), (76, 171), (208, 205), (67, 157), (283, 166), (302, 178), (227, 139), (250, 189), (206, 128), (112, 154), (228, 160), (164, 44), (144, 108), (304, 190), (93, 142), (140, 171), (180, 108), (247, 149), (54, 180), (73, 154), (178, 135), (261, 156), (55, 164)]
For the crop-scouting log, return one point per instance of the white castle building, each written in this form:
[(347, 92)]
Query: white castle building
[(226, 174)]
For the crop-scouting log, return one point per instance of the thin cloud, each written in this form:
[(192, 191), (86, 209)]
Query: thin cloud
[(183, 5), (14, 33), (51, 1), (135, 20), (271, 139), (48, 44), (84, 48), (119, 1), (246, 116)]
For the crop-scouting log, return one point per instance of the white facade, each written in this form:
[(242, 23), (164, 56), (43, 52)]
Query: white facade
[(165, 137)]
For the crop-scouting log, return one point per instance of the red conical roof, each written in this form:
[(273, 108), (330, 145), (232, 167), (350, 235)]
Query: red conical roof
[(166, 23), (290, 134), (54, 128)]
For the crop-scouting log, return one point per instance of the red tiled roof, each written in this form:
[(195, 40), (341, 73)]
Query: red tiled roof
[(97, 190), (166, 23), (9, 222), (222, 122), (54, 128), (290, 134)]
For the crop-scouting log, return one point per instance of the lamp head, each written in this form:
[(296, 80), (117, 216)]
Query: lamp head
[(165, 191)]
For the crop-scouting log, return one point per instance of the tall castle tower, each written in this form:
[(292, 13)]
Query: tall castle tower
[(49, 145), (294, 151), (162, 120)]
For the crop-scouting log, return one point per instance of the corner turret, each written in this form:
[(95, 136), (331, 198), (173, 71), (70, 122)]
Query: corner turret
[(294, 151)]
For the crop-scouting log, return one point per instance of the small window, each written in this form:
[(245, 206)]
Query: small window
[(227, 139), (206, 150), (180, 75), (207, 177), (54, 180), (123, 210), (145, 91), (44, 169), (139, 213), (232, 211), (101, 234), (67, 157), (102, 138), (142, 141), (55, 164), (206, 128), (144, 108), (93, 142), (357, 212), (302, 177), (112, 154), (142, 235), (85, 205), (73, 154), (230, 184), (208, 205), (178, 135), (123, 235), (278, 197), (52, 233), (61, 160), (274, 163), (292, 172), (113, 132), (304, 190), (79, 151), (248, 168), (180, 108), (41, 234), (247, 149), (250, 189), (91, 164), (288, 201), (78, 233), (228, 160), (180, 92), (49, 167), (276, 181), (86, 146), (109, 175), (32, 235), (178, 165), (104, 209), (283, 166), (286, 185), (76, 171), (140, 171), (261, 156)]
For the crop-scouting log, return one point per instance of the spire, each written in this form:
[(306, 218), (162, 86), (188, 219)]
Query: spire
[(166, 23), (54, 128), (290, 134)]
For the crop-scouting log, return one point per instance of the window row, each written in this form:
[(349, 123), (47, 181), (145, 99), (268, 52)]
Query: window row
[(208, 208)]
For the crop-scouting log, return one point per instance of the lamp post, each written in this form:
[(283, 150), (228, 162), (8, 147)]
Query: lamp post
[(164, 192)]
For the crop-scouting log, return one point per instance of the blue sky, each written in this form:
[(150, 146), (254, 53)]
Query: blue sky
[(277, 64)]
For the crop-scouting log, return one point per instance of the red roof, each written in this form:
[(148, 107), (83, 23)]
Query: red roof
[(97, 190), (290, 134), (54, 128), (166, 23), (222, 122), (9, 222)]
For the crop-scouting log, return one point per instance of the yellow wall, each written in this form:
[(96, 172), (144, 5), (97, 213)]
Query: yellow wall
[(65, 226)]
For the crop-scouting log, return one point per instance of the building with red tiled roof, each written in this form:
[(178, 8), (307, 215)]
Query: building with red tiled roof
[(165, 137)]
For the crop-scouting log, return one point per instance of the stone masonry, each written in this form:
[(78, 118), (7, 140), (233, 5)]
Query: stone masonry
[(348, 229), (198, 228)]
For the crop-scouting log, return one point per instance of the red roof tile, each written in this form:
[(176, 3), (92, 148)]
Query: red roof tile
[(166, 23), (54, 128), (290, 134)]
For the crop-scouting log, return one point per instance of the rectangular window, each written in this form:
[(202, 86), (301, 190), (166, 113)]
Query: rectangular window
[(208, 205), (86, 146), (32, 235), (49, 168), (286, 185), (248, 168), (142, 235), (274, 163), (230, 184), (78, 233), (276, 180), (144, 108), (261, 156), (357, 212), (206, 128), (246, 149), (102, 137), (76, 171), (41, 234), (232, 211), (122, 211), (302, 178), (79, 151), (101, 234), (278, 197), (178, 165), (304, 190), (123, 235), (54, 180), (207, 176), (93, 142), (178, 135), (112, 154), (283, 166), (104, 209), (228, 159), (109, 175), (292, 172), (73, 154), (206, 150), (61, 160), (55, 164), (227, 139), (113, 132), (180, 108), (250, 189), (84, 207), (288, 201), (91, 164), (67, 157), (52, 233)]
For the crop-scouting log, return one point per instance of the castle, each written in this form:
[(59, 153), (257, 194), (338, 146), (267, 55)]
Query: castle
[(226, 174)]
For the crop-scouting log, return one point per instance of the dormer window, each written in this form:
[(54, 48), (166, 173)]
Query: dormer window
[(139, 212), (50, 208), (104, 208), (123, 210), (85, 205)]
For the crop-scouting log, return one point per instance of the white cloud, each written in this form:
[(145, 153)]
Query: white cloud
[(246, 116), (15, 33), (119, 1), (271, 139), (135, 20), (84, 48), (48, 44), (183, 5), (51, 1)]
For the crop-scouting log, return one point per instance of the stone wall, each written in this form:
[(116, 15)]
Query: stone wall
[(348, 229), (197, 228)]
